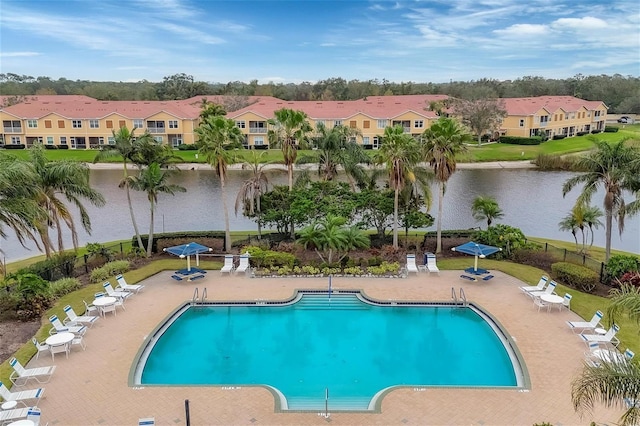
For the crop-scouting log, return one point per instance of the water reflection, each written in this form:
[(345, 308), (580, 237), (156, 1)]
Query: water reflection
[(531, 201)]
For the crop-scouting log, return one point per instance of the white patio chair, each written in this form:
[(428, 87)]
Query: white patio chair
[(584, 325), (566, 302), (58, 349), (111, 307), (34, 415), (21, 376), (79, 341), (73, 319), (58, 327), (243, 266), (431, 263), (411, 264), (228, 266), (90, 309), (41, 347), (122, 284), (540, 304), (21, 396)]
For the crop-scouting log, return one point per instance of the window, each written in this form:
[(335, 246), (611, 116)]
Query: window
[(63, 140), (14, 126), (32, 124), (555, 117), (258, 140), (158, 139), (94, 124), (138, 123), (15, 140), (596, 113), (377, 140), (101, 140), (111, 140), (76, 124), (544, 118), (352, 124), (109, 124), (522, 122), (176, 141), (418, 124), (47, 124), (155, 126), (241, 124), (382, 124), (49, 140), (173, 124), (60, 124), (72, 139), (337, 123), (121, 123), (319, 122), (366, 140), (366, 124), (40, 139)]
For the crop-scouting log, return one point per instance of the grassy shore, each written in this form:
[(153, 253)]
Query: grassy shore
[(484, 153)]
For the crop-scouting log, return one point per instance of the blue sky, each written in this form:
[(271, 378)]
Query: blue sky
[(295, 41)]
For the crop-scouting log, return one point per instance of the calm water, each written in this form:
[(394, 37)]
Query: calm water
[(531, 200), (349, 347)]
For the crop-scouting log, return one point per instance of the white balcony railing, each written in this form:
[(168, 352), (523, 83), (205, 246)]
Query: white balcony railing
[(156, 130), (257, 130), (13, 129)]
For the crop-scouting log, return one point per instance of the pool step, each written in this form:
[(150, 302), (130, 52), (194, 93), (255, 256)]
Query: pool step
[(335, 404), (337, 301)]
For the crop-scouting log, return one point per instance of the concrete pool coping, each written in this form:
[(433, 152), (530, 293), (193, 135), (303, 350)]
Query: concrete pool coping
[(91, 387)]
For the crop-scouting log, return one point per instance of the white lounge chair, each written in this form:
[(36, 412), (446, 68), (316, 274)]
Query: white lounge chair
[(549, 289), (147, 421), (15, 414), (58, 327), (431, 263), (583, 325), (122, 284), (41, 347), (539, 287), (243, 266), (34, 415), (411, 264), (21, 396), (20, 375), (73, 319), (608, 337), (122, 295), (228, 264)]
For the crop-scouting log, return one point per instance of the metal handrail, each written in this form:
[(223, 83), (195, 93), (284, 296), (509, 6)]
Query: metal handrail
[(463, 297), (204, 295), (453, 295), (195, 296)]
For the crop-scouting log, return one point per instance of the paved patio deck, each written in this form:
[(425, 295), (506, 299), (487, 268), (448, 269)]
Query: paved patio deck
[(90, 387)]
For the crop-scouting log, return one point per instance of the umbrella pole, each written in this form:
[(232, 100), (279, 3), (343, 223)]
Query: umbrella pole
[(188, 263), (475, 264), (197, 260)]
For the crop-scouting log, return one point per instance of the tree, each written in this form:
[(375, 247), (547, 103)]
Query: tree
[(611, 382), (616, 168), (54, 180), (252, 189), (570, 223), (486, 208), (216, 136), (210, 109), (154, 181), (329, 237), (124, 147), (290, 129), (482, 116), (400, 155), (336, 148), (180, 86), (441, 143)]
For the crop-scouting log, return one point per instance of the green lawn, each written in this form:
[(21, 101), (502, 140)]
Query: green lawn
[(484, 153)]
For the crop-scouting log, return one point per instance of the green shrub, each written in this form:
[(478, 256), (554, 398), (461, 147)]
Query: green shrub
[(516, 140), (57, 266), (64, 286), (595, 131), (619, 264), (108, 270), (506, 237), (99, 251), (576, 276), (558, 137), (9, 305), (581, 133), (610, 129), (187, 147), (554, 162), (262, 258)]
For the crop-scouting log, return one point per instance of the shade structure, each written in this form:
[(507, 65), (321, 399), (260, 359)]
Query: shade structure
[(188, 250), (477, 250)]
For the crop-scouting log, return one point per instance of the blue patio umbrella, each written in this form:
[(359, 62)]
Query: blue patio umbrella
[(477, 250), (188, 250)]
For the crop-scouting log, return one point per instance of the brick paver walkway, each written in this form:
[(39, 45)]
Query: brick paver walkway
[(90, 387)]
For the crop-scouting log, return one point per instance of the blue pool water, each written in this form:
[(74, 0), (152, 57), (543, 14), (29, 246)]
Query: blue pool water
[(352, 348)]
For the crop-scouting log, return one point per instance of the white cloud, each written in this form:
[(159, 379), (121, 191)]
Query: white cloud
[(523, 30), (193, 34), (586, 23), (18, 54)]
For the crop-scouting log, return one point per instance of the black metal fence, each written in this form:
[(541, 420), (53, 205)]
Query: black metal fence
[(571, 257)]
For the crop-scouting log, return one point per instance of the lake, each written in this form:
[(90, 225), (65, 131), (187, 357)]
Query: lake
[(531, 200)]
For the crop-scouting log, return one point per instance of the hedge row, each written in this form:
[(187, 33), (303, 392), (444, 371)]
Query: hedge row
[(516, 140), (576, 276)]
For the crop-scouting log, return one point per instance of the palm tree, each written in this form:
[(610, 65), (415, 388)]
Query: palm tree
[(290, 129), (336, 148), (486, 208), (592, 215), (123, 147), (53, 180), (569, 223), (613, 382), (249, 194), (154, 181), (216, 136), (329, 237), (400, 155), (441, 143), (615, 167)]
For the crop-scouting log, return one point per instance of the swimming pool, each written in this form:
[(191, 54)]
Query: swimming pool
[(350, 346)]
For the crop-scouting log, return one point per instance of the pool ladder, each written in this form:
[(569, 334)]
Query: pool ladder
[(454, 296), (195, 295)]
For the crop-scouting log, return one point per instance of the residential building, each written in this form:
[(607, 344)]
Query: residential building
[(81, 122)]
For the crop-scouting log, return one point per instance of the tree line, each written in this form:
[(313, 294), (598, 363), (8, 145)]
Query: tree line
[(620, 93)]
